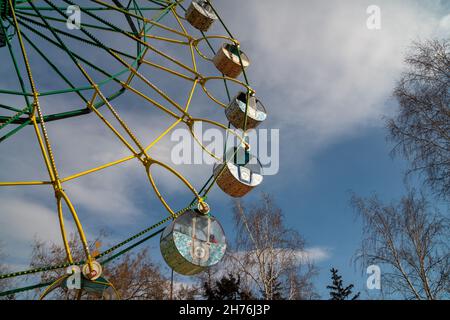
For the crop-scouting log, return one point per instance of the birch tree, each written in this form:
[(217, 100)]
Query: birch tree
[(409, 241), (421, 129), (270, 256)]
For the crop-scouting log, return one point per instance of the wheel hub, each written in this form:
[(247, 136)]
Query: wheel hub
[(5, 8)]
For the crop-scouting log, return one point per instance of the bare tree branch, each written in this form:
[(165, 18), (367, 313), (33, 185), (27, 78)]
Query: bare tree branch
[(421, 130), (410, 241)]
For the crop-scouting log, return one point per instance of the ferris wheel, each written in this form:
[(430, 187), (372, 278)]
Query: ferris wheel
[(123, 34)]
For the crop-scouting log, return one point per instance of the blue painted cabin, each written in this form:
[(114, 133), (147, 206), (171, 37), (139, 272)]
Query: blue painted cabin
[(192, 243)]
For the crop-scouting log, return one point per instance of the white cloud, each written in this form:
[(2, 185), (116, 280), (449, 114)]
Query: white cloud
[(444, 26), (21, 221), (308, 255), (323, 73), (300, 258), (314, 254)]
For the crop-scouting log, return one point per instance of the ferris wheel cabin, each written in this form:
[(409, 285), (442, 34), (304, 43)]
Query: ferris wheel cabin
[(239, 174), (236, 111), (200, 15), (192, 243), (228, 60)]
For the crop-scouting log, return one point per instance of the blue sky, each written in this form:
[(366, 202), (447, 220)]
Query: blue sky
[(324, 214), (326, 81)]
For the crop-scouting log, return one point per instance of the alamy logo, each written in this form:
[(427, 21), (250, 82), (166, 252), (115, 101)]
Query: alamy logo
[(374, 20), (264, 146), (73, 18), (73, 282), (374, 279)]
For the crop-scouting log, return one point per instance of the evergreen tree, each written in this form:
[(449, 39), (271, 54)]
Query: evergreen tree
[(337, 291), (227, 288)]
